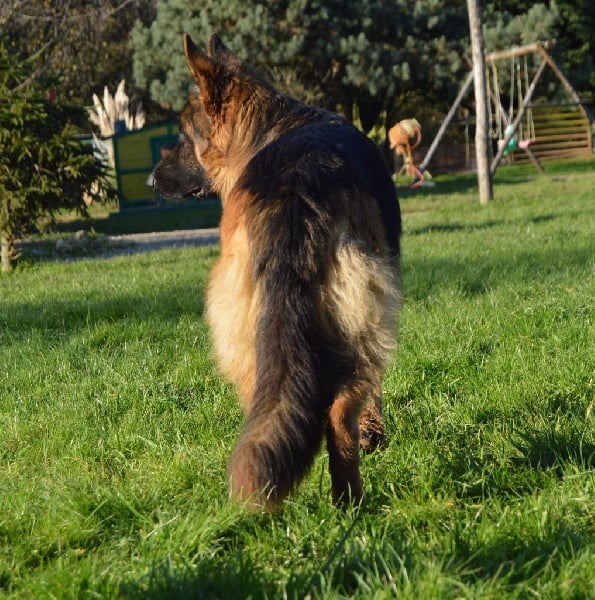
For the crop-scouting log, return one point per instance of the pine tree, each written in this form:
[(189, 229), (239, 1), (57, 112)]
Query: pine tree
[(572, 27), (43, 168), (367, 55)]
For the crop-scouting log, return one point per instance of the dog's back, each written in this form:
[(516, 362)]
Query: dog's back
[(330, 164)]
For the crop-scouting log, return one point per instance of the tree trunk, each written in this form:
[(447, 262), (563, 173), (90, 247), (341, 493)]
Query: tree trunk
[(482, 138), (6, 251)]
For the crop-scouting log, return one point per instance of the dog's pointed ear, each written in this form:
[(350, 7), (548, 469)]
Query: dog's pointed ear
[(201, 66), (216, 47), (232, 63), (220, 52)]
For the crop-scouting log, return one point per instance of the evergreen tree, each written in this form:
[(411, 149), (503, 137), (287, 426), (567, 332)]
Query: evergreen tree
[(504, 30), (570, 22), (575, 50), (367, 55), (43, 168)]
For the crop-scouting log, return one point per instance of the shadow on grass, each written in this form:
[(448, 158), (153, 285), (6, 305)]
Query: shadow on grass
[(473, 462), (237, 574), (443, 185), (519, 557), (70, 315), (551, 449), (452, 227), (506, 175), (472, 227), (233, 577), (424, 276)]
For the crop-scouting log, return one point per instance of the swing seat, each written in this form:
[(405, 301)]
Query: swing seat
[(524, 144), (513, 144)]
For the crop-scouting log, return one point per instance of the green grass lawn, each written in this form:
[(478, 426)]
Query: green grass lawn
[(115, 428)]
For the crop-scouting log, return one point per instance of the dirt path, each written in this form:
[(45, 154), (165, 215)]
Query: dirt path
[(82, 245), (135, 243)]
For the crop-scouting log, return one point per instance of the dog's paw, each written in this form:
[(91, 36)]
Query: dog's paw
[(371, 432)]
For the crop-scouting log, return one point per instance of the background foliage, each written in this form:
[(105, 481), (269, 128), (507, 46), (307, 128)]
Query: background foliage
[(375, 60), (75, 47), (43, 168), (368, 56), (573, 30), (372, 60)]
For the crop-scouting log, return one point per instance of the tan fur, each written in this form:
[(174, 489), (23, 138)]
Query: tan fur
[(233, 306), (342, 443), (232, 322), (361, 295)]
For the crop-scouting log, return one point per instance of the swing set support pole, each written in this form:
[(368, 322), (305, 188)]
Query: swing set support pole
[(462, 92), (554, 67), (533, 159), (517, 119)]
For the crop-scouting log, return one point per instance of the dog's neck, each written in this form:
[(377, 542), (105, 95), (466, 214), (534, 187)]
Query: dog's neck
[(229, 155)]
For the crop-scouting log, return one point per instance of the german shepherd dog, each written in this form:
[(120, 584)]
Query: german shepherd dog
[(302, 302)]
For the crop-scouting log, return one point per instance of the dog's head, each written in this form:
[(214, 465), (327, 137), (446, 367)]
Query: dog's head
[(205, 121), (179, 174)]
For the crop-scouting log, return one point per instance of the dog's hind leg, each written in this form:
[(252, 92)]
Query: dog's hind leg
[(371, 422), (343, 446)]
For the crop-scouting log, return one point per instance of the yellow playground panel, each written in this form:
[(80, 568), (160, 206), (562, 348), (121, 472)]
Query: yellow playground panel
[(135, 155)]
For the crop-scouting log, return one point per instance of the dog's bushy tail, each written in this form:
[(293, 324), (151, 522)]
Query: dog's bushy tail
[(296, 371)]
